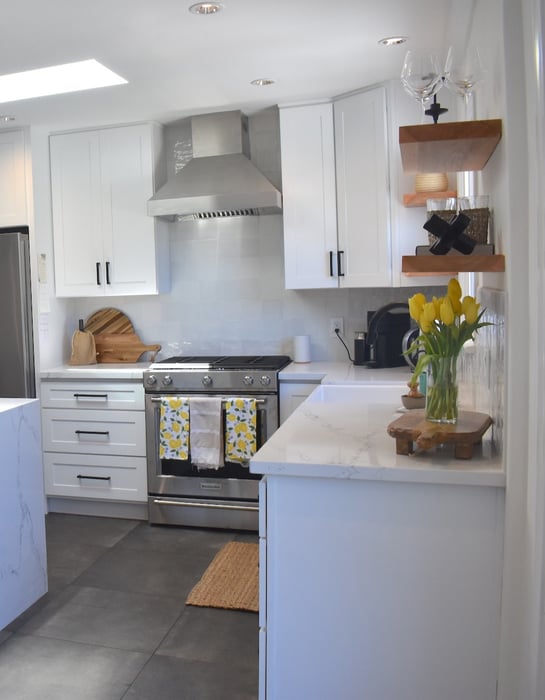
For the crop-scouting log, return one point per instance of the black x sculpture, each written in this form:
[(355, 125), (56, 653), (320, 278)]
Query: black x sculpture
[(450, 234)]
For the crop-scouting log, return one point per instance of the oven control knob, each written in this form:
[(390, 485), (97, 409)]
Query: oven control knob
[(166, 380), (265, 380), (207, 380), (247, 380), (151, 380)]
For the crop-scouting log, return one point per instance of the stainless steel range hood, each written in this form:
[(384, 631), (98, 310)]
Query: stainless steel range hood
[(219, 180)]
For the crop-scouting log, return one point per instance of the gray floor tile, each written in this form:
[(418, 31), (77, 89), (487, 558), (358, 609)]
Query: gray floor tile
[(170, 571), (36, 668), (86, 529), (167, 678), (214, 635), (67, 560), (168, 538), (131, 621)]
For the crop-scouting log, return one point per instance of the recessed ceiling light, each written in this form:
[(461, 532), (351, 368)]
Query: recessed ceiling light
[(7, 118), (69, 77), (392, 40), (206, 8), (263, 81)]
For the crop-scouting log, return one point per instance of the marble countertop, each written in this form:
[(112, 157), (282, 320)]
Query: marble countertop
[(324, 372), (10, 404), (104, 370), (340, 432), (343, 373)]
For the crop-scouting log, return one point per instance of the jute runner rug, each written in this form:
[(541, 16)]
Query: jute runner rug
[(231, 579)]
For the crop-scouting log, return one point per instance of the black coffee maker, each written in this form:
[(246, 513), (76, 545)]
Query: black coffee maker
[(385, 330)]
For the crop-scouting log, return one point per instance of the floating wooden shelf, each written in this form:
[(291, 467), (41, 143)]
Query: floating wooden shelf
[(419, 199), (451, 264), (448, 146)]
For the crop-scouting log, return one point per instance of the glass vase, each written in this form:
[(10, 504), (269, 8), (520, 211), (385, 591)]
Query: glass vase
[(442, 390)]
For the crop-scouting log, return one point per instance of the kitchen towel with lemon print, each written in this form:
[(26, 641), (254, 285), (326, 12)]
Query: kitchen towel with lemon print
[(174, 428), (240, 429)]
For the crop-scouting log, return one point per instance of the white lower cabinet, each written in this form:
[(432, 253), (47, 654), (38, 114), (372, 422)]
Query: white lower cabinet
[(292, 394), (379, 590), (94, 440)]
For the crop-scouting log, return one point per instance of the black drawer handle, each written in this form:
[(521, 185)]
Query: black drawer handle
[(98, 274), (97, 478), (331, 263), (91, 396), (108, 272), (92, 432)]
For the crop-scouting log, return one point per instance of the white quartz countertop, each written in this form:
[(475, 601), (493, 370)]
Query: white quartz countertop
[(339, 432), (10, 404), (343, 373), (324, 372), (104, 370)]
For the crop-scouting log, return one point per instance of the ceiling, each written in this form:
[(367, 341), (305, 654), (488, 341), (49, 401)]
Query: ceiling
[(179, 64)]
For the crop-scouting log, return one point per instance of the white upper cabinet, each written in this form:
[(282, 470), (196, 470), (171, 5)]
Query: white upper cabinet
[(363, 200), (13, 200), (335, 192), (309, 201), (105, 244)]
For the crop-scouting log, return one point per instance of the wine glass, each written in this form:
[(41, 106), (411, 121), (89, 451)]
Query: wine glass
[(420, 75), (463, 71)]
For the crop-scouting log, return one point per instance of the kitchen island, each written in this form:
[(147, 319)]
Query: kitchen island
[(380, 574), (23, 570)]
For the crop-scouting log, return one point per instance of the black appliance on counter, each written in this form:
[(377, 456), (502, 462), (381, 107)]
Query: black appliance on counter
[(386, 328)]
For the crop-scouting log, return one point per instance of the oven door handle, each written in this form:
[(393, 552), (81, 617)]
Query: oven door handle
[(190, 504)]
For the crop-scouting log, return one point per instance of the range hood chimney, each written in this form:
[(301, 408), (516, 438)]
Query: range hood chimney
[(220, 180)]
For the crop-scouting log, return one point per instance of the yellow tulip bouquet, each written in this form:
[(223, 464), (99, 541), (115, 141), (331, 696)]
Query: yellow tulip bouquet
[(445, 325)]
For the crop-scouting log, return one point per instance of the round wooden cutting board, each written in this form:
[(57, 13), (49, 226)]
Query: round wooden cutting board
[(108, 321)]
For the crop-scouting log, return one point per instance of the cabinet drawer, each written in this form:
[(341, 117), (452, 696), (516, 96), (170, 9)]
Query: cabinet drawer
[(125, 396), (94, 432), (95, 476)]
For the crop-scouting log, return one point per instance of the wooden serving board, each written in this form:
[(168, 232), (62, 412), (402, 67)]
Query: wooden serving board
[(108, 321), (122, 347), (412, 427), (115, 339)]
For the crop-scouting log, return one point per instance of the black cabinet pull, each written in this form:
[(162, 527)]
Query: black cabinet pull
[(92, 432), (94, 396), (97, 478), (98, 273), (108, 272), (331, 263), (340, 272)]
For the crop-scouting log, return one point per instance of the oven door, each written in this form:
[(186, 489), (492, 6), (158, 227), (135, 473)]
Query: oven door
[(181, 478)]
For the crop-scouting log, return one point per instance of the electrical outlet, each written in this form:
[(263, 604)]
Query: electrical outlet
[(336, 323)]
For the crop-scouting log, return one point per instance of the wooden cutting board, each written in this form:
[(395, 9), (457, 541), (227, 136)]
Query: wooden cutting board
[(115, 338), (108, 321), (413, 427)]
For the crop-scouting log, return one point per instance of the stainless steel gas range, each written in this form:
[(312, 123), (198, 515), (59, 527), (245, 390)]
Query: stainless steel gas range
[(179, 493)]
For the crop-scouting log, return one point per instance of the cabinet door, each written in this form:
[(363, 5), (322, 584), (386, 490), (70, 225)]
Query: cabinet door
[(361, 150), (13, 209), (308, 185), (77, 226), (127, 184), (292, 395)]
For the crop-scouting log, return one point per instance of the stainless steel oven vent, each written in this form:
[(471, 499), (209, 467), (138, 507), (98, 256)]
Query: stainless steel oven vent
[(219, 180), (218, 214)]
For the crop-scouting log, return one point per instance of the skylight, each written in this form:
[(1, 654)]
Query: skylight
[(68, 77)]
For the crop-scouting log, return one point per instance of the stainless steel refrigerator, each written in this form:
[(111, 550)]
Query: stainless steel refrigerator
[(17, 378)]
